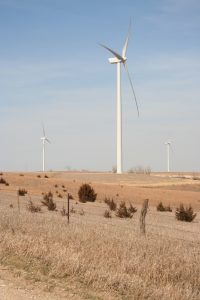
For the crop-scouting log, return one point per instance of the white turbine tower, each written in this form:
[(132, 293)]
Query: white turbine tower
[(118, 59), (168, 144), (44, 140)]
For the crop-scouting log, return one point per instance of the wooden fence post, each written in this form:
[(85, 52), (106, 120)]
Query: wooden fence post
[(143, 215), (18, 203), (68, 197)]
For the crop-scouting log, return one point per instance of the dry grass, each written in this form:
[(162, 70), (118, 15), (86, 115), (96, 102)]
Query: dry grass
[(119, 260), (105, 254)]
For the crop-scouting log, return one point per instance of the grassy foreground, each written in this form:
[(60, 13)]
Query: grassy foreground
[(101, 257)]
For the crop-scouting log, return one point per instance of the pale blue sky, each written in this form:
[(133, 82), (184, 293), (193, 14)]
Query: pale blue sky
[(52, 70)]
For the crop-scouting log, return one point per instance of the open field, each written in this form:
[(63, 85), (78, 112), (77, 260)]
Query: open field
[(98, 258)]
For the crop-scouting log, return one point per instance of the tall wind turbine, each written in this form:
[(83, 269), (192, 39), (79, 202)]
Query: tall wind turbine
[(118, 59), (168, 144), (44, 140)]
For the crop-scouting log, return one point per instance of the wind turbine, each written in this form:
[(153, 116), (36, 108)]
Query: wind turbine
[(118, 59), (168, 144), (44, 139)]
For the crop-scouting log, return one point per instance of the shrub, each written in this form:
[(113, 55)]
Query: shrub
[(185, 214), (132, 209), (123, 211), (2, 181), (161, 207), (72, 210), (63, 186), (32, 207), (81, 212), (107, 214), (38, 176), (7, 184), (45, 176), (168, 208), (11, 205), (48, 201), (111, 203), (114, 169), (1, 173), (63, 212), (56, 185), (59, 195), (22, 192), (86, 193), (21, 174)]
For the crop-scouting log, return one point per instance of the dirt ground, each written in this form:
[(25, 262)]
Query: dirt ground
[(132, 188)]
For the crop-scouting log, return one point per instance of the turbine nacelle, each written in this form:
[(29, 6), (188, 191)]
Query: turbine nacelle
[(115, 60)]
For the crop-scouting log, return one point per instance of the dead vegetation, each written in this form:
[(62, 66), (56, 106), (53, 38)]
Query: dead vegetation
[(111, 203), (22, 192), (103, 252), (185, 213), (161, 207), (48, 201), (3, 181), (33, 208), (119, 260), (125, 212)]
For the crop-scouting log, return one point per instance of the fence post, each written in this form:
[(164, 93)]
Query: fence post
[(18, 204), (143, 215), (68, 197)]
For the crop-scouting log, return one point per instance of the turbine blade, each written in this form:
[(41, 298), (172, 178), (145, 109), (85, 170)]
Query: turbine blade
[(126, 41), (46, 139), (43, 129), (129, 77), (113, 52)]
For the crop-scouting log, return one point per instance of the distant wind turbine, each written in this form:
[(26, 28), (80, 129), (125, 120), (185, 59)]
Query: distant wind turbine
[(44, 139), (168, 144), (118, 59)]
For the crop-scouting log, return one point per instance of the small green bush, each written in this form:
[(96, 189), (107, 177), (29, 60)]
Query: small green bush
[(185, 214), (86, 193)]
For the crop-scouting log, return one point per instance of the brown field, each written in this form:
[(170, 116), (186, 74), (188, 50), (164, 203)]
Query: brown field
[(98, 258)]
